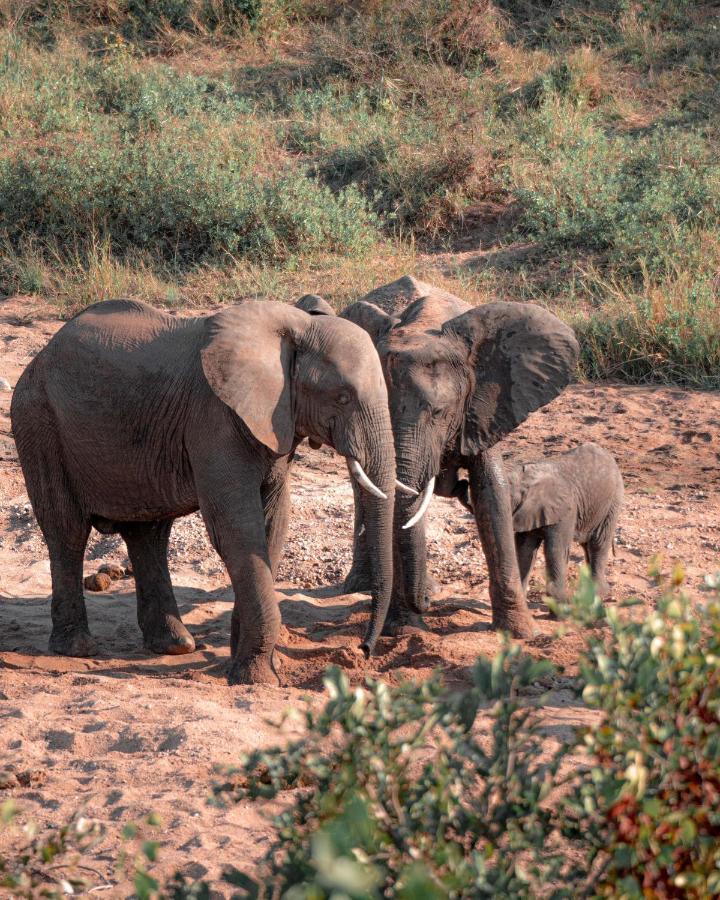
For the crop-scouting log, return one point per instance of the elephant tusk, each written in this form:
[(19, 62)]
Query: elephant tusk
[(424, 503), (359, 475), (404, 489)]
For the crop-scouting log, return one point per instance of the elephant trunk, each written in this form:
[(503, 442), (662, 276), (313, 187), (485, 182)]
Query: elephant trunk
[(379, 466), (409, 543)]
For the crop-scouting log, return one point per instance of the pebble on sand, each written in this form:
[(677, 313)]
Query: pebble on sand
[(113, 570), (5, 385), (99, 582)]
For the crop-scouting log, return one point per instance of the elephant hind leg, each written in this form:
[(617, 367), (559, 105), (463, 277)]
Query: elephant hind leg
[(66, 528), (598, 553), (157, 612)]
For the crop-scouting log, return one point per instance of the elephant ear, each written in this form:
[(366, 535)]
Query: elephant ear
[(370, 318), (248, 357), (315, 305), (539, 498), (521, 357)]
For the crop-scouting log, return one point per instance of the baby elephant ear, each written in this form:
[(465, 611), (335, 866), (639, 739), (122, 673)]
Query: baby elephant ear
[(248, 357), (521, 357), (540, 497), (369, 317)]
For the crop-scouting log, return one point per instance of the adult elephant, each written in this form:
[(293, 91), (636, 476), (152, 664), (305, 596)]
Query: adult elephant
[(459, 380), (130, 418)]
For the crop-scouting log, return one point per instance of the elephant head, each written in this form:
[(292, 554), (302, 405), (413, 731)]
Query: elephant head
[(457, 384), (290, 375)]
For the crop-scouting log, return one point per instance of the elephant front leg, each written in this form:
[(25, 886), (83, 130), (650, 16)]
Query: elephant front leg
[(493, 514), (236, 524), (157, 611), (276, 506), (557, 555)]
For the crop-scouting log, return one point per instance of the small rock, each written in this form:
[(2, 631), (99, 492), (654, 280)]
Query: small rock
[(5, 385), (99, 582), (8, 780), (113, 570)]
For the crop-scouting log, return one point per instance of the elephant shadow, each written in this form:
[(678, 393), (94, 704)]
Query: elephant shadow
[(25, 626), (321, 627)]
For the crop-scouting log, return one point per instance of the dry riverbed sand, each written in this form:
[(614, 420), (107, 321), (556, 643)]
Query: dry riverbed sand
[(129, 733)]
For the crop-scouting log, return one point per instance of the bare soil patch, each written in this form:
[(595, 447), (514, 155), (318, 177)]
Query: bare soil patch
[(128, 733)]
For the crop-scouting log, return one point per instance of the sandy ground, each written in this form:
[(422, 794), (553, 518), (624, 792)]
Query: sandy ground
[(128, 733)]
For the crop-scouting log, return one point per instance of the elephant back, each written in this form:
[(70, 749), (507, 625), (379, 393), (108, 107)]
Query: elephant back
[(395, 297)]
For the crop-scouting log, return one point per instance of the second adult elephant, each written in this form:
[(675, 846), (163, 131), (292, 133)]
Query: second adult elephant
[(459, 380), (130, 418)]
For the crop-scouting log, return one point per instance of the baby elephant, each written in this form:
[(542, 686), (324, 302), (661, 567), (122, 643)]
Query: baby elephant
[(578, 494)]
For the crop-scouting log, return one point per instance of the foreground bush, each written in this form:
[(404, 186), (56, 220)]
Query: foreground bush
[(648, 807), (410, 792), (46, 864), (398, 795)]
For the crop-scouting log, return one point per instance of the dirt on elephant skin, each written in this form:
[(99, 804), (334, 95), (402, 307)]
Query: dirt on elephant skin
[(127, 732)]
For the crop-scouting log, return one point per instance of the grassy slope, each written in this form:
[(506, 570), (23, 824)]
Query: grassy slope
[(564, 152)]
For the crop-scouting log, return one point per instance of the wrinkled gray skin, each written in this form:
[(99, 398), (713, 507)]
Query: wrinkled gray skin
[(577, 495), (459, 380), (130, 418)]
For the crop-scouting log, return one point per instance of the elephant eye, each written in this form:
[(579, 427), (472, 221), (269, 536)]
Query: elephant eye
[(343, 399)]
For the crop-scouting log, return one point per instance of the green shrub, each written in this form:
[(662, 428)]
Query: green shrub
[(398, 793), (187, 200), (643, 343), (636, 199), (417, 792), (29, 872), (647, 807)]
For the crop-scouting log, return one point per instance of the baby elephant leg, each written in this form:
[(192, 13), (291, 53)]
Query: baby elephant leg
[(597, 553), (557, 540), (526, 547)]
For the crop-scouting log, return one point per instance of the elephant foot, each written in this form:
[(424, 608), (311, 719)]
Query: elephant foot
[(517, 622), (73, 642), (170, 638), (257, 670), (402, 624), (357, 582)]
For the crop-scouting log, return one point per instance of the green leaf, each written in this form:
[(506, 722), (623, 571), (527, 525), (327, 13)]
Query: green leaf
[(416, 882), (150, 849), (145, 885)]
